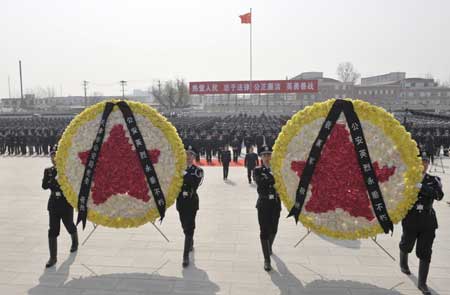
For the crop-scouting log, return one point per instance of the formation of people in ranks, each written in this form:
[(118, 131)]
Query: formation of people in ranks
[(34, 136), (30, 136), (214, 136)]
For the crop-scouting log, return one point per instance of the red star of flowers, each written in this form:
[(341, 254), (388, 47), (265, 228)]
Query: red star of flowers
[(337, 181), (118, 169)]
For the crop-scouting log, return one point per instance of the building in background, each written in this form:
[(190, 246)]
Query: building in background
[(392, 91), (67, 104)]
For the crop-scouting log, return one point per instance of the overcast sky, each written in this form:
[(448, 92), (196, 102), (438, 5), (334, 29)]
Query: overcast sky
[(61, 43)]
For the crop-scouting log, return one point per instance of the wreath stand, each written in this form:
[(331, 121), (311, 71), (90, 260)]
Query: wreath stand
[(96, 225), (374, 240), (90, 234)]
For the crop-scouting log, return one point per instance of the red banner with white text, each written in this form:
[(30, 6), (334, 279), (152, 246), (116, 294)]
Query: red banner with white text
[(263, 86)]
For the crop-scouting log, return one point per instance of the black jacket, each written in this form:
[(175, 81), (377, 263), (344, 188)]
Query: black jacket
[(266, 187), (422, 213), (57, 200), (251, 160), (225, 157), (188, 197)]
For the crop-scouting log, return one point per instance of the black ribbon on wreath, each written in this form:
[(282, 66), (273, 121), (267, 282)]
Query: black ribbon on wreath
[(141, 151), (364, 161)]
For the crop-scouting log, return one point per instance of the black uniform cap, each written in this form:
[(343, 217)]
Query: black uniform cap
[(190, 149), (54, 149), (265, 150), (424, 156)]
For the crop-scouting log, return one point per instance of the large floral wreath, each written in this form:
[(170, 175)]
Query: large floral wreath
[(337, 202), (120, 195)]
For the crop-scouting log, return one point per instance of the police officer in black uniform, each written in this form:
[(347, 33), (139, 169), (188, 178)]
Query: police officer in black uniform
[(235, 144), (187, 201), (208, 149), (268, 204), (58, 209), (225, 158), (430, 146), (420, 225), (250, 162)]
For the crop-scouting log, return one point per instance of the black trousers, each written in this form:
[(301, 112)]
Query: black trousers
[(420, 227), (235, 155), (249, 173), (225, 170), (45, 148), (187, 219), (55, 217), (268, 217), (208, 155), (430, 154), (23, 149)]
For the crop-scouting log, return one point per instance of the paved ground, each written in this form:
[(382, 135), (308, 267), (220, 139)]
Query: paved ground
[(227, 257)]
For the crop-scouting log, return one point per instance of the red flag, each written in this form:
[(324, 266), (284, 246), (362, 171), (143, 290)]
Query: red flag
[(246, 18)]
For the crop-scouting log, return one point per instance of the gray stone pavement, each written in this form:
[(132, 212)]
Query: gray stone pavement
[(227, 257)]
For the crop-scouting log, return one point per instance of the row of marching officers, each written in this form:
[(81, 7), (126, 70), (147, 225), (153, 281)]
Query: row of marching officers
[(419, 225)]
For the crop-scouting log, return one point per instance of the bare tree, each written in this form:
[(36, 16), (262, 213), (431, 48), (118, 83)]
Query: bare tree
[(347, 73), (429, 76), (38, 92), (51, 92), (183, 98), (438, 82), (157, 92), (41, 92), (445, 83), (172, 94)]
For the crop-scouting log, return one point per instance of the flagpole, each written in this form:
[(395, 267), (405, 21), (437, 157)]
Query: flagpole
[(251, 24)]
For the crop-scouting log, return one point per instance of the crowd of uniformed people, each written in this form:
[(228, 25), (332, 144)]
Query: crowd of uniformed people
[(30, 135), (34, 136)]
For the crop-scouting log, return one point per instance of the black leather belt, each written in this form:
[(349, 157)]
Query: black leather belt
[(421, 207), (269, 197)]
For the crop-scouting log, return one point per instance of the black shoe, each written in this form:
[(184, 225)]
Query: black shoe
[(187, 247), (74, 246), (265, 245), (53, 248), (51, 262), (424, 267), (404, 263)]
